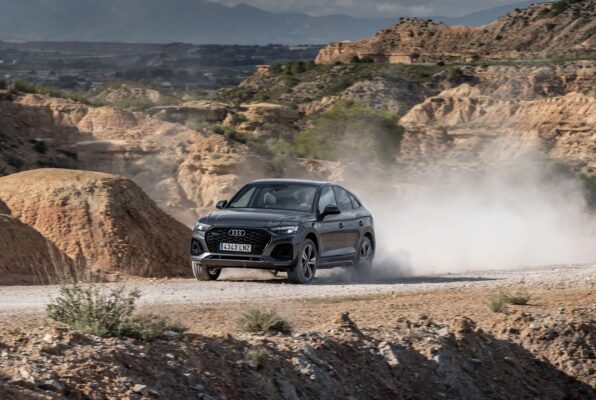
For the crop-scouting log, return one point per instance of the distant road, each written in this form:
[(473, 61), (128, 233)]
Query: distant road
[(261, 287)]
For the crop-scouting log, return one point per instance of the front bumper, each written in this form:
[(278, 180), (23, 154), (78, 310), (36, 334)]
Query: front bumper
[(266, 260)]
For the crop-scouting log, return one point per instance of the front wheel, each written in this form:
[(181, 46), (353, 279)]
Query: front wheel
[(306, 267), (204, 273)]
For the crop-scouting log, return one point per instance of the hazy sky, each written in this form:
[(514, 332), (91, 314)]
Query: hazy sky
[(375, 8)]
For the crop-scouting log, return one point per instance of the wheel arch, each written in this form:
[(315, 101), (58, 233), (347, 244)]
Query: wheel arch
[(314, 237)]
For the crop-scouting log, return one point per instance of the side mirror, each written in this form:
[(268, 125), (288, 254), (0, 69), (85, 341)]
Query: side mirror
[(330, 209), (221, 204)]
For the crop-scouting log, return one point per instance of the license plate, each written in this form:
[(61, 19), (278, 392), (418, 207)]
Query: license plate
[(244, 248)]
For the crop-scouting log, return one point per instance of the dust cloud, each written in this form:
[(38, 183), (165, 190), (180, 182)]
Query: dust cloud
[(522, 215)]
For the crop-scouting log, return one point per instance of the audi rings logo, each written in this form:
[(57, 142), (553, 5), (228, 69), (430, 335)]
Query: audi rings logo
[(236, 232)]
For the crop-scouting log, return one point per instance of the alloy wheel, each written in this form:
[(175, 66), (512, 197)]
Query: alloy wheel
[(308, 261)]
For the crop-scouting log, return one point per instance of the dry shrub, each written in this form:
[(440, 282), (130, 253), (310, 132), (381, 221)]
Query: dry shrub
[(107, 313), (255, 320)]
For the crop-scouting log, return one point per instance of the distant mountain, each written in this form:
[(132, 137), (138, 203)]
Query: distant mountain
[(191, 21), (483, 17)]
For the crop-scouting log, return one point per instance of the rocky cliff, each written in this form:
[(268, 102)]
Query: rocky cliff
[(184, 170), (540, 29), (465, 125)]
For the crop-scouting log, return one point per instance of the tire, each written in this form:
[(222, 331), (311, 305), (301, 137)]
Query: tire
[(364, 259), (203, 273), (306, 266)]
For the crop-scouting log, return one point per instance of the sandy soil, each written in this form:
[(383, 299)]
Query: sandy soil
[(208, 307)]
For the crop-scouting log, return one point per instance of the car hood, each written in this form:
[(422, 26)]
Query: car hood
[(248, 217)]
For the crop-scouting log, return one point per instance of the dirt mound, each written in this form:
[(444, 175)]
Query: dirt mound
[(105, 223), (127, 94), (28, 257), (414, 359)]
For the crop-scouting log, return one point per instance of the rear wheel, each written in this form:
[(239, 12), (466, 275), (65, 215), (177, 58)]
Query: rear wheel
[(306, 267), (204, 273), (366, 253)]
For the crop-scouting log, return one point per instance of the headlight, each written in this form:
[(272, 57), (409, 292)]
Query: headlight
[(201, 226), (285, 229)]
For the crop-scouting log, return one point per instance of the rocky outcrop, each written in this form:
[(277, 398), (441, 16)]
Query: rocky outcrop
[(527, 357), (537, 29), (185, 171), (265, 119), (465, 126), (105, 225), (197, 111)]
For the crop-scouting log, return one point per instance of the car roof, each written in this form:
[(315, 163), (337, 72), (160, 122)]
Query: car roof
[(295, 181)]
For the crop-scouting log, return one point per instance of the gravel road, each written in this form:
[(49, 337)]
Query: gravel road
[(262, 288)]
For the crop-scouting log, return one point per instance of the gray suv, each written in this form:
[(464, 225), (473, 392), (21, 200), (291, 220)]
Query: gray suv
[(296, 226)]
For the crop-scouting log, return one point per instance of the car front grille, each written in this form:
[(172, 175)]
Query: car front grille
[(257, 238)]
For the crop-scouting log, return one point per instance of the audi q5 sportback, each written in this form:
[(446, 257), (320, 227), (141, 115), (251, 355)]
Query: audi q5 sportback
[(296, 226)]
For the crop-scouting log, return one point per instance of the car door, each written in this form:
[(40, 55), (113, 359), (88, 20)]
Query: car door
[(330, 235), (348, 224)]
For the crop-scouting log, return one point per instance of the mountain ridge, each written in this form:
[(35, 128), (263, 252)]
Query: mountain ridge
[(189, 21)]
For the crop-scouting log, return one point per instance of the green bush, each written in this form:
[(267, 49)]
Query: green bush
[(349, 130), (21, 86), (259, 321), (3, 85), (106, 313), (275, 69)]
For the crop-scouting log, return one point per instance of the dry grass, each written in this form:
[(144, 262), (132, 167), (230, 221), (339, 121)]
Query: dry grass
[(259, 321), (498, 302)]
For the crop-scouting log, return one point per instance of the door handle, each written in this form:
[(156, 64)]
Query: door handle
[(360, 223), (341, 224)]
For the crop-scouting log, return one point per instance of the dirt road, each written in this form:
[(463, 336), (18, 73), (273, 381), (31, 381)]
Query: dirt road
[(260, 287)]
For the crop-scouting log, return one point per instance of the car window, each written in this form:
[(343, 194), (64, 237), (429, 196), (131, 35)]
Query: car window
[(326, 198), (355, 202), (343, 199), (243, 198), (294, 197)]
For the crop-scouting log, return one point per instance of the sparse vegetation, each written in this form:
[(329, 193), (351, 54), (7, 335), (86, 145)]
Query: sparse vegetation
[(519, 298), (260, 321), (22, 86), (107, 313), (348, 129), (149, 327), (258, 358), (558, 7), (498, 302)]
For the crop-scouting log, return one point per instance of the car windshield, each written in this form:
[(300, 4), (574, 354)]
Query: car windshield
[(281, 196)]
